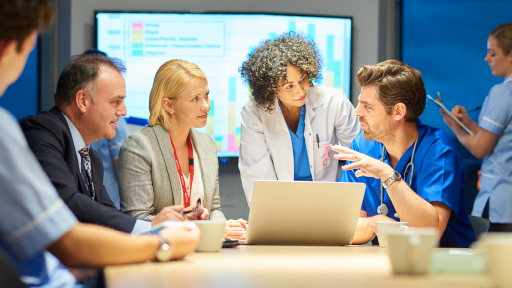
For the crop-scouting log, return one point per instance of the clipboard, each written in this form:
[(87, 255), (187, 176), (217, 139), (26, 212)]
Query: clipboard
[(438, 102)]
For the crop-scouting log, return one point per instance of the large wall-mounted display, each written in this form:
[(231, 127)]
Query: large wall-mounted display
[(218, 44)]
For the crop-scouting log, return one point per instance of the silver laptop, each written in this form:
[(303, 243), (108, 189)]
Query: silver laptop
[(304, 213)]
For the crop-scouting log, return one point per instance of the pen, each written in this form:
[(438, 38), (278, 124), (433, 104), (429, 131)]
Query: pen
[(474, 109), (317, 141)]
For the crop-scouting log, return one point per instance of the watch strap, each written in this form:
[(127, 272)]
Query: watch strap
[(394, 177)]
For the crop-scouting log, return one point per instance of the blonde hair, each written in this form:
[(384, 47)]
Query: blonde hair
[(503, 34), (170, 80)]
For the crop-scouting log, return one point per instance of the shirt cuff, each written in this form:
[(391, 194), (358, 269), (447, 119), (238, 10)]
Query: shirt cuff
[(141, 226)]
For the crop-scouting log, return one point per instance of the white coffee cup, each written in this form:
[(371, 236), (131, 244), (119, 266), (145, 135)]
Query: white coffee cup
[(410, 250), (499, 250), (384, 227), (211, 235)]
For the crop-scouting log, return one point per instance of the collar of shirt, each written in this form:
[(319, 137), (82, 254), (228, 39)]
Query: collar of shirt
[(406, 158), (77, 140), (508, 79)]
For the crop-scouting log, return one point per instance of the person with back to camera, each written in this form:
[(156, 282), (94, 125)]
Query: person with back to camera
[(170, 162), (39, 235), (290, 122), (493, 135)]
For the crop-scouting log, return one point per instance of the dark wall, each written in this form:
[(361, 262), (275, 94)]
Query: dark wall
[(21, 98), (447, 42)]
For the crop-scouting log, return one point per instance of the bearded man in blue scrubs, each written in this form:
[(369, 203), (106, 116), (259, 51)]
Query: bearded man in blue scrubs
[(427, 193)]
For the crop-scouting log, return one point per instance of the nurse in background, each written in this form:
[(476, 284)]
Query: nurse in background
[(289, 118), (493, 135)]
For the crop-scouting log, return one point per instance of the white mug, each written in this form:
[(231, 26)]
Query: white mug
[(211, 235), (409, 250), (499, 250), (384, 227)]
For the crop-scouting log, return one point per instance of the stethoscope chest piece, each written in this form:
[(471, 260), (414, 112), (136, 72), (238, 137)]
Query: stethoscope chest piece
[(382, 209)]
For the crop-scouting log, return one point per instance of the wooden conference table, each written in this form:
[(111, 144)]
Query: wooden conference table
[(283, 266)]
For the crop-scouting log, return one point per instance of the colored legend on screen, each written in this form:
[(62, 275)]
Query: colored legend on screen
[(137, 39)]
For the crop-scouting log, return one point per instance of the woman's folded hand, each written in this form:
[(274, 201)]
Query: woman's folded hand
[(235, 229)]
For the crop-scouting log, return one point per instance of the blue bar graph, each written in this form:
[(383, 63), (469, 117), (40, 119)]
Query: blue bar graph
[(330, 52), (336, 71), (333, 66), (311, 31), (232, 89), (291, 25)]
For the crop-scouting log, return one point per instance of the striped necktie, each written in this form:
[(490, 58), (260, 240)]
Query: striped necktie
[(84, 152)]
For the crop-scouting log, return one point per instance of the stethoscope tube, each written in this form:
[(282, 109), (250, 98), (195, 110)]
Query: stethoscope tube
[(383, 208)]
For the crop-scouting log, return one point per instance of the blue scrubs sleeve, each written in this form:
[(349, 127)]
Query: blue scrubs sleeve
[(497, 110), (32, 215), (440, 178), (350, 175)]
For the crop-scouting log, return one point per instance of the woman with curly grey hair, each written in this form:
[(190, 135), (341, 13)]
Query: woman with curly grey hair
[(290, 122)]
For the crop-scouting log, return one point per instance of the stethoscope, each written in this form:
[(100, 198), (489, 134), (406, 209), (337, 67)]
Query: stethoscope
[(383, 208)]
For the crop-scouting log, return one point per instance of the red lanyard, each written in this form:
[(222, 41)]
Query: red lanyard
[(186, 196)]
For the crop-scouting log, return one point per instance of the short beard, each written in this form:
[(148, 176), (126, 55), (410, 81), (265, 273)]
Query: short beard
[(382, 132)]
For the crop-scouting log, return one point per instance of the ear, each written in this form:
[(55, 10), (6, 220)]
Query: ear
[(400, 110), (168, 105), (82, 101), (7, 48)]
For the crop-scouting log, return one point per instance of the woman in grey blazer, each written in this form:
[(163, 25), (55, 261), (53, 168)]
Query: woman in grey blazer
[(169, 163)]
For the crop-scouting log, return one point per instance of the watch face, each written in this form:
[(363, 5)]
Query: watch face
[(165, 253), (395, 176)]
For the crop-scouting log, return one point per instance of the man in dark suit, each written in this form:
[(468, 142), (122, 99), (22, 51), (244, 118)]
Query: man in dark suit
[(89, 101)]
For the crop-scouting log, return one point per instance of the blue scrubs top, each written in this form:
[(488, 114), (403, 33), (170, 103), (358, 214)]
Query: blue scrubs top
[(438, 176), (496, 183), (301, 170)]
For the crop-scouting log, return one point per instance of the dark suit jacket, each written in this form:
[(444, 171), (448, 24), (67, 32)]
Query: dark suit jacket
[(50, 139)]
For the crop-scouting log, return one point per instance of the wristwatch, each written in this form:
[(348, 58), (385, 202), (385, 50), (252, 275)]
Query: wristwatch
[(164, 254), (395, 176)]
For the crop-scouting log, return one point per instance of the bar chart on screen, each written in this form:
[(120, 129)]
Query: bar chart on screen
[(218, 44)]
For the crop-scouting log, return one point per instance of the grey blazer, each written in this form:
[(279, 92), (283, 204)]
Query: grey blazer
[(149, 180)]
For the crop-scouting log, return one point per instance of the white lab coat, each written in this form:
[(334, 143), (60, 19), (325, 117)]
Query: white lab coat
[(266, 151)]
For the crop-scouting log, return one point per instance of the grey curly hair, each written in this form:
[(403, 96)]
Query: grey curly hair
[(265, 67)]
